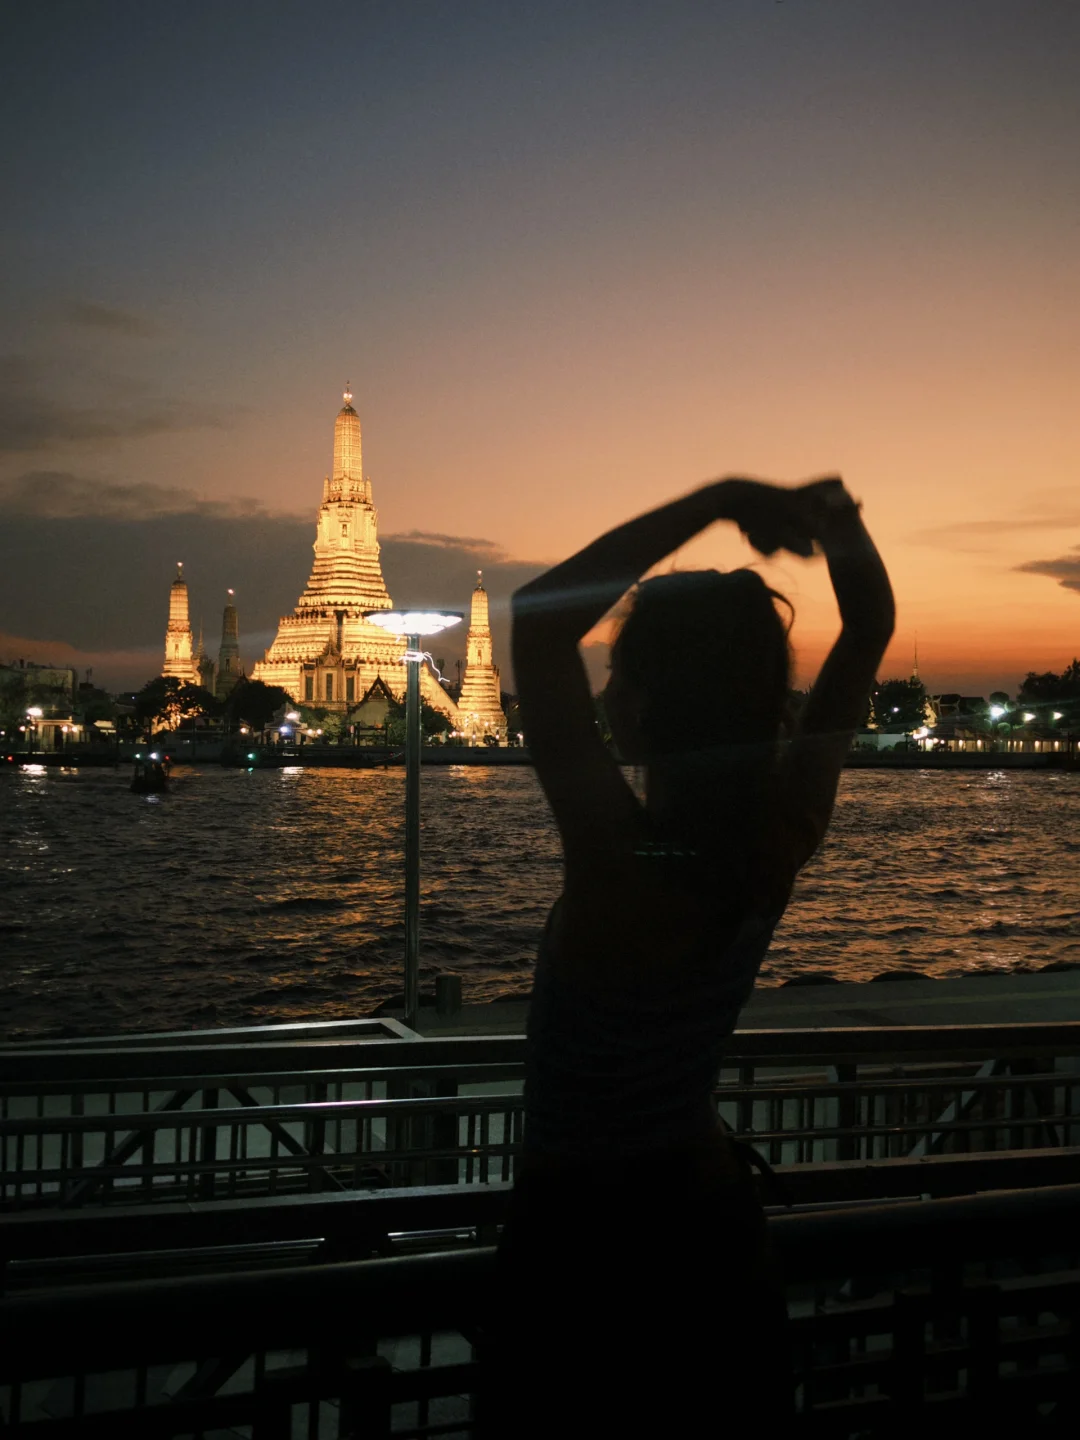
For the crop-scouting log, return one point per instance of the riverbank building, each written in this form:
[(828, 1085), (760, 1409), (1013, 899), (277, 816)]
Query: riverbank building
[(480, 714), (326, 653)]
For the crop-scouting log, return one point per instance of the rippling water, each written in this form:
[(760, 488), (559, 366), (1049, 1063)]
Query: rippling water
[(277, 895)]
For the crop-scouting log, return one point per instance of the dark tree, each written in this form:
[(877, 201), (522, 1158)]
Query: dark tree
[(899, 702), (252, 703), (1049, 687), (170, 700), (432, 722), (1051, 693)]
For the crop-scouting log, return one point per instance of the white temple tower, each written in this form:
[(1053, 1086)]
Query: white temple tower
[(325, 653), (179, 650), (480, 711)]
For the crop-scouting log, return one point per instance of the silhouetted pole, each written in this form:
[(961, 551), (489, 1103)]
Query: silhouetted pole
[(412, 831)]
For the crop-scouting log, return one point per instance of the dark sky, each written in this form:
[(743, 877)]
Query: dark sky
[(573, 258)]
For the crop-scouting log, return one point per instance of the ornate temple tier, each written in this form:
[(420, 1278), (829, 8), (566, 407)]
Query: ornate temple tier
[(325, 653)]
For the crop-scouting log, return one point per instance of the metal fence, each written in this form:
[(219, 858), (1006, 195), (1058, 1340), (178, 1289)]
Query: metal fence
[(96, 1125), (939, 1315)]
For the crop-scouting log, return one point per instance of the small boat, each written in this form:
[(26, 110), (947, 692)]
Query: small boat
[(151, 775)]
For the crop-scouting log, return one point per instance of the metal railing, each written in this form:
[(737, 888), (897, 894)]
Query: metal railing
[(949, 1313), (92, 1125)]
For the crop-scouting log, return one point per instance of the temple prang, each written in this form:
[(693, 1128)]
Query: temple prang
[(326, 653), (480, 712), (229, 668), (180, 661)]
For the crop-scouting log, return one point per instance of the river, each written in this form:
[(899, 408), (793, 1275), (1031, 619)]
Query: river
[(244, 897)]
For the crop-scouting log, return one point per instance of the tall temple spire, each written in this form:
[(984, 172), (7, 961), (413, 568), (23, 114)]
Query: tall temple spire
[(347, 572), (179, 651), (480, 703), (348, 472), (228, 666)]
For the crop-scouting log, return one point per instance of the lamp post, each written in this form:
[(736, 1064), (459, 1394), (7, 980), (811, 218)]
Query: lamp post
[(414, 624)]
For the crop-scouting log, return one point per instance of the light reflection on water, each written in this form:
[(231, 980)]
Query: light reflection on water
[(270, 895)]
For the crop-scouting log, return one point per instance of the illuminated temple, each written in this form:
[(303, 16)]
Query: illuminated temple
[(180, 661), (325, 653), (480, 712)]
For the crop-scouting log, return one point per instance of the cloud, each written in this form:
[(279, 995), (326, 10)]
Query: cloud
[(88, 564), (33, 418), (108, 317), (1066, 570), (952, 537), (446, 542), (58, 495)]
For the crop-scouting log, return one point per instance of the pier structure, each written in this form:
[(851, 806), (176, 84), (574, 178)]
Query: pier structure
[(326, 652), (179, 649), (480, 703)]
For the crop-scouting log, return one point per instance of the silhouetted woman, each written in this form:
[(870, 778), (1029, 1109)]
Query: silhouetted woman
[(635, 1290)]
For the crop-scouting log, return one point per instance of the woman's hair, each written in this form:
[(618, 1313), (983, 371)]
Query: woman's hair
[(707, 657), (704, 660)]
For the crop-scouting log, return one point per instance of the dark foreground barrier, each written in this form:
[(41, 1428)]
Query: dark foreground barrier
[(943, 1315), (367, 1104)]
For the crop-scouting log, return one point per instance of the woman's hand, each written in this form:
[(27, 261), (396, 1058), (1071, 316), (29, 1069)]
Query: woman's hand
[(774, 517), (800, 518)]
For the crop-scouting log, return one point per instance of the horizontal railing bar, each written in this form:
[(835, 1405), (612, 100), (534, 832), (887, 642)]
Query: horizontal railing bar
[(837, 1089), (175, 1170), (828, 1044), (280, 1079), (43, 1333), (303, 1112), (907, 1131), (354, 1213), (242, 1059), (250, 1119)]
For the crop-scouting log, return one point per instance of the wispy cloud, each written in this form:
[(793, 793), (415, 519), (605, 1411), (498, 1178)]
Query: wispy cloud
[(61, 495), (32, 417), (1066, 570), (449, 542), (960, 534), (108, 317)]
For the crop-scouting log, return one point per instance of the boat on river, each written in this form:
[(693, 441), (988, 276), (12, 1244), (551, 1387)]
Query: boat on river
[(151, 774)]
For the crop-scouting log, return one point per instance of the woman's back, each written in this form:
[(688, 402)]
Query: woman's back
[(623, 1052)]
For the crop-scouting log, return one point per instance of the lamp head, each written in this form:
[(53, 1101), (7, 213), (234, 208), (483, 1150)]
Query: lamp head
[(413, 622)]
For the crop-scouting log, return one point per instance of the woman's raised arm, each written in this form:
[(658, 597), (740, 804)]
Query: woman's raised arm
[(838, 698), (554, 612)]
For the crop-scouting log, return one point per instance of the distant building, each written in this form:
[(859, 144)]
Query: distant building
[(326, 653), (229, 670), (179, 650), (37, 705), (480, 712)]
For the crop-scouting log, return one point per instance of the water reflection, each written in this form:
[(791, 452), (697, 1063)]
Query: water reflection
[(243, 896)]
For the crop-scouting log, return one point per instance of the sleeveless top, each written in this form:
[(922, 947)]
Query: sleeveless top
[(606, 1075)]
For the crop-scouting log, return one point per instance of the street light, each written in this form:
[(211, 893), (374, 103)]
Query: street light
[(414, 624)]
